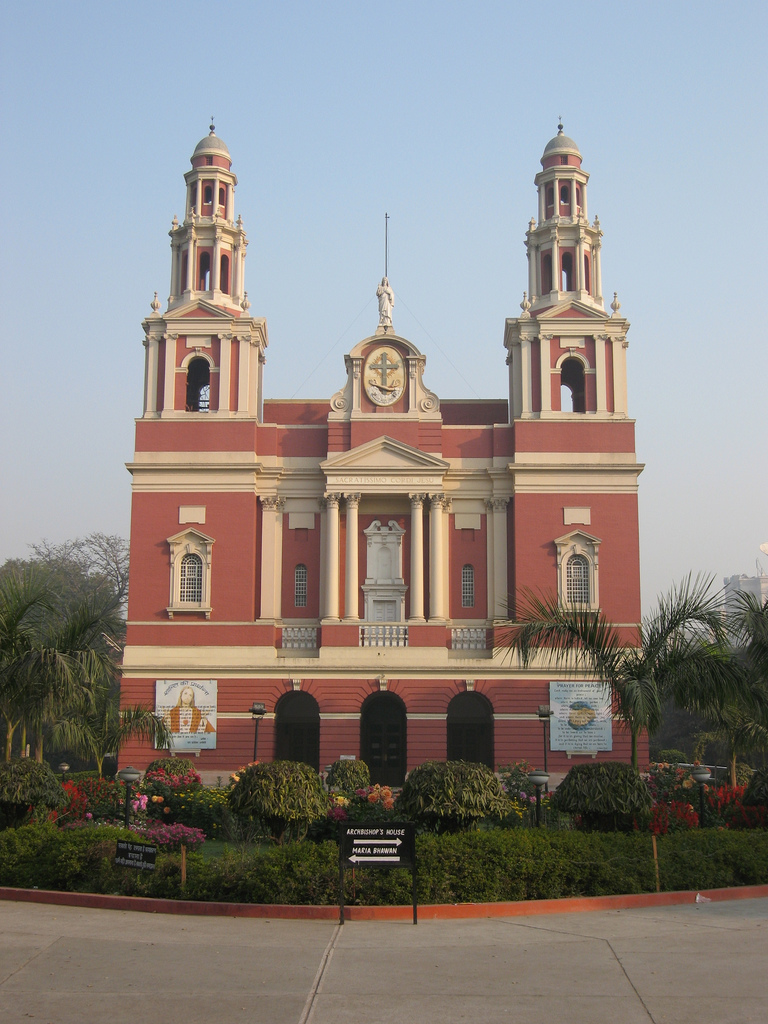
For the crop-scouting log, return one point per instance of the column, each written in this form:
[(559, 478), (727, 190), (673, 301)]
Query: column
[(601, 387), (271, 555), (417, 557), (545, 372), (489, 560), (579, 282), (169, 391), (556, 272), (597, 272), (331, 589), (243, 371), (351, 584), (500, 609), (190, 282), (150, 377), (436, 558), (322, 504), (526, 377), (216, 268), (225, 370)]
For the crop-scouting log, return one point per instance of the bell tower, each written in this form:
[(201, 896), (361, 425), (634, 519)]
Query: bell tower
[(566, 355), (205, 354)]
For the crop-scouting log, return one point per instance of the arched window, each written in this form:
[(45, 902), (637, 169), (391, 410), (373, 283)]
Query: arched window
[(224, 275), (207, 195), (468, 586), (586, 273), (565, 195), (577, 580), (550, 195), (193, 199), (300, 586), (297, 729), (572, 380), (566, 278), (383, 738), (546, 272), (222, 196), (191, 579), (205, 272), (198, 386), (470, 729)]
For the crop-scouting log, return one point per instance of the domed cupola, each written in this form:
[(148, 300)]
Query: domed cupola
[(209, 245), (563, 248)]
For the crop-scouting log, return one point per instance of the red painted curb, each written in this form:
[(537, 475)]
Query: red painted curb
[(437, 912)]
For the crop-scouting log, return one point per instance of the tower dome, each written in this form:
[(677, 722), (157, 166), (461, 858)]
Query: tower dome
[(561, 145), (210, 147)]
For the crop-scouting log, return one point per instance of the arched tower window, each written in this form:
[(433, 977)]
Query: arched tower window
[(205, 272), (577, 580), (566, 278), (198, 386), (222, 196), (300, 586), (546, 272), (191, 579), (468, 586), (550, 199), (224, 275), (565, 195), (207, 195), (586, 274), (572, 386)]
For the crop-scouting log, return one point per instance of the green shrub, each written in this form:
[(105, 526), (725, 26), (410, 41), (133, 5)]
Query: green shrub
[(286, 796), (672, 757), (25, 784), (349, 776), (446, 796), (608, 795), (757, 789), (199, 807), (105, 798), (514, 779), (177, 766)]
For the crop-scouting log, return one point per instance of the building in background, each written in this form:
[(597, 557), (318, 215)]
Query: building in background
[(349, 561)]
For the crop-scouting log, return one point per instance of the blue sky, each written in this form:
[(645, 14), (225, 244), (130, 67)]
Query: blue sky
[(438, 114)]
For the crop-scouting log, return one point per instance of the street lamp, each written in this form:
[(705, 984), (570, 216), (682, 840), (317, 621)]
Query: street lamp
[(128, 776), (538, 779), (63, 768), (701, 775), (545, 713), (258, 709)]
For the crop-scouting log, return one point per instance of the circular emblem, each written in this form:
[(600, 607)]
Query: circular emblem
[(384, 376)]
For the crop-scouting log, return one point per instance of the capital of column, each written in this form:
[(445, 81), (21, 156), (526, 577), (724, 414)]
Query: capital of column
[(333, 499), (496, 504), (439, 500), (352, 500), (271, 502), (417, 500)]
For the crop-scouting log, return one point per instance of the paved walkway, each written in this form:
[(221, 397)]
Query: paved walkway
[(701, 964)]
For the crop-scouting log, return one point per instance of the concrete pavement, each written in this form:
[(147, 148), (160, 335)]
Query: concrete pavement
[(667, 965)]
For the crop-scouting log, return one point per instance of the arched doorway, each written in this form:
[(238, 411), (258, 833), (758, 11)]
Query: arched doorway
[(470, 729), (297, 729), (383, 738)]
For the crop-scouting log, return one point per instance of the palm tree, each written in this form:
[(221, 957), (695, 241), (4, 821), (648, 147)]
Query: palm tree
[(23, 598), (680, 651)]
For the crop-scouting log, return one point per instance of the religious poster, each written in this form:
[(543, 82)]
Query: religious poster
[(188, 708), (582, 720)]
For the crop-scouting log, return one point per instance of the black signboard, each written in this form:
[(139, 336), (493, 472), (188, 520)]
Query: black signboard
[(135, 855), (375, 845)]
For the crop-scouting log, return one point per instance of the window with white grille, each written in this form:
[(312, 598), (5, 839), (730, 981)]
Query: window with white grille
[(191, 579), (577, 580), (468, 586), (300, 586)]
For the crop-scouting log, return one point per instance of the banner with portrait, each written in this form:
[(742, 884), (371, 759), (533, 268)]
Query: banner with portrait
[(188, 708), (582, 718)]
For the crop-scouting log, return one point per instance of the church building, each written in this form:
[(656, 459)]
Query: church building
[(331, 578)]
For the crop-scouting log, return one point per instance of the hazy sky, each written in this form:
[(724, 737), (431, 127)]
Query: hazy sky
[(436, 112)]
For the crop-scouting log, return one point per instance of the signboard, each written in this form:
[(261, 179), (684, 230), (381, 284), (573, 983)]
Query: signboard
[(188, 708), (379, 846), (582, 719), (375, 845), (135, 855)]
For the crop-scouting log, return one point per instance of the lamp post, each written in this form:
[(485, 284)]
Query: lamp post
[(545, 713), (701, 775), (63, 768), (128, 776), (258, 709), (538, 779)]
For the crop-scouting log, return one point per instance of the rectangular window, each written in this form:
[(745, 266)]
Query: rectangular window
[(300, 587), (468, 587)]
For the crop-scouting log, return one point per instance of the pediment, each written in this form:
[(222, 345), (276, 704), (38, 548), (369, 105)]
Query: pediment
[(572, 309), (190, 534), (385, 453), (384, 465), (203, 308)]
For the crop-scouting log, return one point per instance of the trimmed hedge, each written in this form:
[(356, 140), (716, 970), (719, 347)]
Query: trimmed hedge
[(492, 866)]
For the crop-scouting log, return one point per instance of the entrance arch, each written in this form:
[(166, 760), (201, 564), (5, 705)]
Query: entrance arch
[(383, 734), (470, 729), (297, 729)]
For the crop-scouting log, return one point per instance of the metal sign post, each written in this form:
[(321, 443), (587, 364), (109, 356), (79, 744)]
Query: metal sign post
[(374, 845)]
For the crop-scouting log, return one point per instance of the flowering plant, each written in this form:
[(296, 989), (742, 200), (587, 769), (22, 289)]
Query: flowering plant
[(675, 816), (171, 837)]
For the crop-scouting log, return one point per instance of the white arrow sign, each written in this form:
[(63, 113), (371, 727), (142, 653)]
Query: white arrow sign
[(368, 860), (377, 842)]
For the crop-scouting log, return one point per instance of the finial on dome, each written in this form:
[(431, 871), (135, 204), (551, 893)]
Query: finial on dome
[(212, 126), (155, 304), (560, 124)]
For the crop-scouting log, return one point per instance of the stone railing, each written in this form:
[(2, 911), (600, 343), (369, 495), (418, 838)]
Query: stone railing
[(383, 636), (299, 637), (468, 638)]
